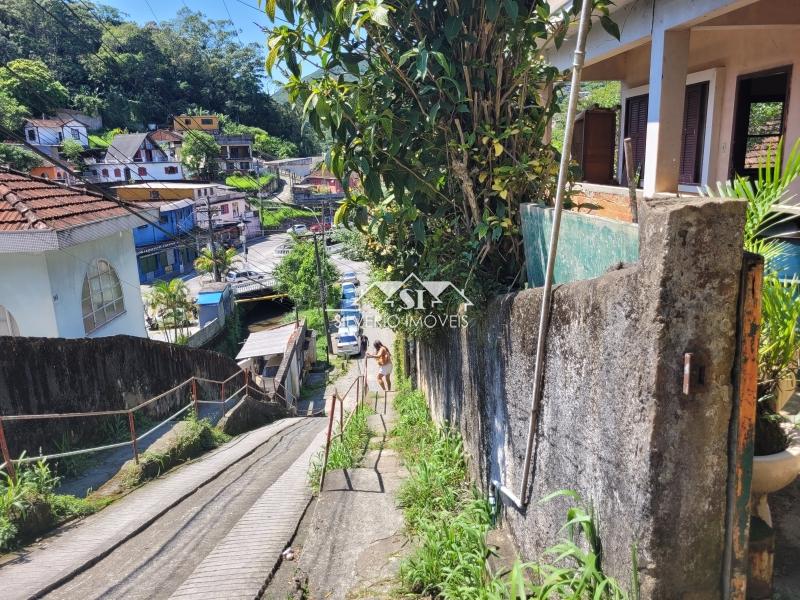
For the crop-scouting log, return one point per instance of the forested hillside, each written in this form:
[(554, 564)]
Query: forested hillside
[(135, 75)]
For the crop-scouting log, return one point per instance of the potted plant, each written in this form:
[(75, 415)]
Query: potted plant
[(777, 446)]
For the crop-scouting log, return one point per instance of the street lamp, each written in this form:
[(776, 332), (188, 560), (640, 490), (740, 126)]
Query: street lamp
[(243, 236)]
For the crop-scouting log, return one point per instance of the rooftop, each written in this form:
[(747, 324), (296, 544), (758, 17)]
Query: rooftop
[(30, 203), (167, 185), (165, 135), (56, 123)]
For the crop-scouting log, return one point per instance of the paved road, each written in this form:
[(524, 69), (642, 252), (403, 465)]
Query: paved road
[(155, 562)]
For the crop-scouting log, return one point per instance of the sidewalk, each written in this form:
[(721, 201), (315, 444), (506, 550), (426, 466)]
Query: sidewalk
[(40, 568)]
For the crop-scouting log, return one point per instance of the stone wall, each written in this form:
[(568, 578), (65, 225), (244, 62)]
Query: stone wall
[(54, 375), (614, 424)]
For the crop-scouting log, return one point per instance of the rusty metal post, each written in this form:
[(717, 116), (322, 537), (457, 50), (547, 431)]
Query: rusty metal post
[(327, 443), (6, 454), (194, 397), (358, 391), (132, 427), (341, 415), (222, 400), (742, 429)]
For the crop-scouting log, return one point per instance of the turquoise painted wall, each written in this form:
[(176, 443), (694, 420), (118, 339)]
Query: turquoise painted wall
[(587, 245)]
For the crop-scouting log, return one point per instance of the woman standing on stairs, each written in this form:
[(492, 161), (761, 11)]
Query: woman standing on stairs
[(384, 358)]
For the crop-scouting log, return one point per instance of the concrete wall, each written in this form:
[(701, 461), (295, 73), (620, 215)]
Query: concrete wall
[(67, 271), (614, 423), (41, 375), (25, 292)]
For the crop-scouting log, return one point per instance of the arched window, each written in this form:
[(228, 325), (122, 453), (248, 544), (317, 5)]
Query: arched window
[(8, 326), (101, 299)]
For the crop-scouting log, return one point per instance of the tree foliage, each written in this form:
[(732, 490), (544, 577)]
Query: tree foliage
[(33, 85), (11, 111), (200, 154), (296, 275), (441, 109), (72, 151), (172, 305), (18, 158), (134, 75), (226, 259)]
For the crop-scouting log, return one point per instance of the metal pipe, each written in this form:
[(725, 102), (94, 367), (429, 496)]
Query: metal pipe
[(327, 443), (132, 427), (495, 485), (544, 314)]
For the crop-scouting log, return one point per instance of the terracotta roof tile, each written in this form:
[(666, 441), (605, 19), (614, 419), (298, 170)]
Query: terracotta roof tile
[(28, 203)]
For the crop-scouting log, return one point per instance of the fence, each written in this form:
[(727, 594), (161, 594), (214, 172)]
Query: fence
[(193, 392)]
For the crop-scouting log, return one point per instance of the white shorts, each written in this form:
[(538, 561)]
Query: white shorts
[(385, 369)]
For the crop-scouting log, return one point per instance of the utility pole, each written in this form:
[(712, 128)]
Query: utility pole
[(323, 301), (211, 243)]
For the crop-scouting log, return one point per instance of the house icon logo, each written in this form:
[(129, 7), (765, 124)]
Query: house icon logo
[(412, 293)]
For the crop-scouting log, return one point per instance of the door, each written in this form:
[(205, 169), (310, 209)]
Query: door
[(759, 118), (694, 123), (636, 129)]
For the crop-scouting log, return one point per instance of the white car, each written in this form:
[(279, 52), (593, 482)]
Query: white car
[(349, 325), (349, 277), (348, 345), (244, 276), (298, 229)]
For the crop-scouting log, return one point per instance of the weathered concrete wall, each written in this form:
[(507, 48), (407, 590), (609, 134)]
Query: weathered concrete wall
[(614, 423), (46, 375)]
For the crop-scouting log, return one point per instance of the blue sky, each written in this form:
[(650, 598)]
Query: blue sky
[(244, 13)]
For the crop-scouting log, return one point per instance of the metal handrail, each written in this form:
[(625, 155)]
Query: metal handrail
[(342, 423), (8, 463)]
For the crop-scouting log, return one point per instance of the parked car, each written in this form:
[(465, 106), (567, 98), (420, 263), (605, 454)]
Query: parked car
[(349, 325), (349, 277), (319, 228), (349, 292), (240, 276), (348, 345), (298, 229)]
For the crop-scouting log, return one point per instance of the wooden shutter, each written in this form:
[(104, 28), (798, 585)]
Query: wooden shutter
[(694, 121), (636, 129)]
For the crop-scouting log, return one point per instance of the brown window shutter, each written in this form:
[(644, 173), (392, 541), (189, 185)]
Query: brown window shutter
[(693, 126), (636, 129)]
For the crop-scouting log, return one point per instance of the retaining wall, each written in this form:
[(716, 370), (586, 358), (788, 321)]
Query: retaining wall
[(614, 424), (54, 375)]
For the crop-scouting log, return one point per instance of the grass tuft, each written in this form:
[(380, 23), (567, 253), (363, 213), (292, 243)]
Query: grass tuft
[(346, 451)]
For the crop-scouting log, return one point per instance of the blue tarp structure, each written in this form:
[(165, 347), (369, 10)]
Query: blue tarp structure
[(205, 298)]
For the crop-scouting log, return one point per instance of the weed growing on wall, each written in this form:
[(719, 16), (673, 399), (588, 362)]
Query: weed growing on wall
[(346, 450)]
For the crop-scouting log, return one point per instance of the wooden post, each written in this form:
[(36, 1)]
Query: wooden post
[(742, 429), (6, 454), (194, 397), (132, 427), (630, 172)]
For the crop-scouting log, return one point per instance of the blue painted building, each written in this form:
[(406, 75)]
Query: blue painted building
[(159, 254)]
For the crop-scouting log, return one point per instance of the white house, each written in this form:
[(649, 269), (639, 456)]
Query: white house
[(229, 207), (134, 157), (707, 86), (53, 132), (68, 262)]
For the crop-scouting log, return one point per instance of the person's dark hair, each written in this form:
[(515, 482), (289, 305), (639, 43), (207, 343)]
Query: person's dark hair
[(377, 344)]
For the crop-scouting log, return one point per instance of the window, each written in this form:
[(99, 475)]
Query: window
[(142, 171), (207, 121), (171, 170), (8, 325), (117, 173), (104, 172), (75, 133), (137, 157), (211, 192), (32, 135), (148, 264), (60, 137), (224, 209), (245, 166), (101, 300), (759, 118), (187, 121), (155, 195), (94, 172), (236, 210)]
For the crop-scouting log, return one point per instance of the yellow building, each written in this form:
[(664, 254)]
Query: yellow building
[(207, 123), (161, 190)]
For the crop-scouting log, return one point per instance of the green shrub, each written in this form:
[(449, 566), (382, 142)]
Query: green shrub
[(345, 451)]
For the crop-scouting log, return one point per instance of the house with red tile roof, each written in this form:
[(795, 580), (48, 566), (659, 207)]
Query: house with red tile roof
[(68, 261)]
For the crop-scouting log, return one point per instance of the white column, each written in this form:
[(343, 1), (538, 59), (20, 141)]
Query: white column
[(669, 57)]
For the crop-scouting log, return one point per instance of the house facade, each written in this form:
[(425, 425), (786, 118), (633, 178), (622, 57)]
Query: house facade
[(706, 87), (170, 142), (207, 123), (236, 153), (229, 208), (134, 157), (53, 132), (68, 262), (54, 173)]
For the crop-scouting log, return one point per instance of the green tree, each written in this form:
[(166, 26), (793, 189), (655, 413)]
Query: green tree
[(11, 111), (225, 258), (296, 275), (200, 154), (170, 302), (33, 85), (72, 151), (18, 158), (442, 118)]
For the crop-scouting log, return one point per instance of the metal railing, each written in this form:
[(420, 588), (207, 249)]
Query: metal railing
[(194, 383), (360, 384)]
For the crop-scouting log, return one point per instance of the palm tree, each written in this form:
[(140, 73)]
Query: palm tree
[(225, 259), (170, 301)]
